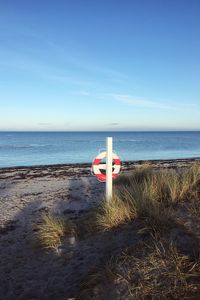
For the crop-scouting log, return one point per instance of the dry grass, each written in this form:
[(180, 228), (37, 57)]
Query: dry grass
[(191, 182), (145, 272), (166, 186), (182, 186), (146, 194), (162, 273), (130, 202), (154, 271), (52, 230), (169, 186), (114, 213), (140, 174)]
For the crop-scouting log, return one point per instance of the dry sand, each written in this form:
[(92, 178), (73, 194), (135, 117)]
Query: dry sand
[(28, 272)]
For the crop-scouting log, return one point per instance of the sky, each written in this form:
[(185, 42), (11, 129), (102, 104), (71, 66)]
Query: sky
[(99, 65)]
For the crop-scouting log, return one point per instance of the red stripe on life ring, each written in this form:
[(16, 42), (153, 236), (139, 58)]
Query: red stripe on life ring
[(96, 161), (101, 177), (117, 161), (114, 175)]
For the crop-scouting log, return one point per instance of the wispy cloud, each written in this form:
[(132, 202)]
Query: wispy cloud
[(137, 101), (33, 62), (141, 102), (46, 73), (74, 59), (40, 69)]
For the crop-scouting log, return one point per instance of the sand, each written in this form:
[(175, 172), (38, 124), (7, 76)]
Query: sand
[(27, 272)]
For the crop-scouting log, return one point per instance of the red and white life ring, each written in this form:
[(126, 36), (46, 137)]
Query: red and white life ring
[(97, 166)]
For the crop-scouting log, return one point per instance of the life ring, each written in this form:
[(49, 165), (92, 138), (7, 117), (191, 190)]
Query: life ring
[(97, 166)]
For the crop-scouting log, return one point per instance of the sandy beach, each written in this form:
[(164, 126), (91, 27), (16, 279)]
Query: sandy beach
[(28, 272)]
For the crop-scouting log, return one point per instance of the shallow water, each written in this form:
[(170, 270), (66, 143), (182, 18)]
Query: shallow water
[(43, 148)]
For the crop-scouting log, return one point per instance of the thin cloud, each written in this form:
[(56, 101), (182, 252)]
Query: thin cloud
[(85, 65), (141, 102), (38, 68)]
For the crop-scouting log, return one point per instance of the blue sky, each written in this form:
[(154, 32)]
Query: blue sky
[(100, 65)]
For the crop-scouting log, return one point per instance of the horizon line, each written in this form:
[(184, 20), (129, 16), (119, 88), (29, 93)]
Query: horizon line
[(137, 130)]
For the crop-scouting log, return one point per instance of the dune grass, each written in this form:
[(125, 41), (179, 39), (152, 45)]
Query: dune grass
[(114, 213), (167, 185), (129, 203), (155, 267), (52, 230), (148, 194), (138, 175), (155, 271)]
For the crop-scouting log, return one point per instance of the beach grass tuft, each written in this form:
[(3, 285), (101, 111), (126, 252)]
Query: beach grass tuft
[(114, 212), (131, 202), (52, 230), (148, 194)]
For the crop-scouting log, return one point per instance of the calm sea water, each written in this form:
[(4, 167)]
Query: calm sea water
[(41, 148)]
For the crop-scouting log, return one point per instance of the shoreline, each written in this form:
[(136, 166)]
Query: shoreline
[(125, 164), (77, 170)]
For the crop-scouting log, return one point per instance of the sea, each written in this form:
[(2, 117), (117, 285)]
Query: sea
[(47, 148)]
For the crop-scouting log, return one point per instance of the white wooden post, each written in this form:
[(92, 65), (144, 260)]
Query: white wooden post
[(109, 150)]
